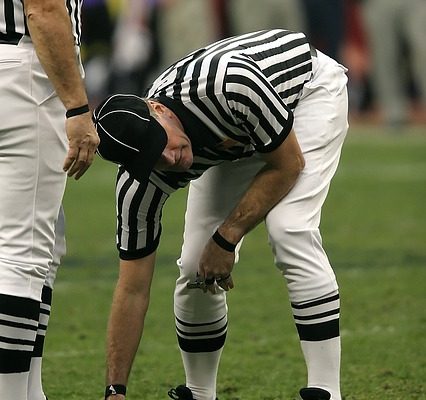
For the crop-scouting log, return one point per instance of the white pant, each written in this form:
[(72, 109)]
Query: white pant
[(32, 151), (320, 125)]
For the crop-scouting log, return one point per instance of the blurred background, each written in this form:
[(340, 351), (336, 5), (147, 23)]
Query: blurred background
[(127, 42)]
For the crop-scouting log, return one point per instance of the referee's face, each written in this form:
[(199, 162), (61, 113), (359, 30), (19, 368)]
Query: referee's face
[(177, 155)]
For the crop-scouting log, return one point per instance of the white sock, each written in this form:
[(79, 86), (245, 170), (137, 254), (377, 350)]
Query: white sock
[(323, 363), (317, 323), (201, 373), (35, 387), (14, 386)]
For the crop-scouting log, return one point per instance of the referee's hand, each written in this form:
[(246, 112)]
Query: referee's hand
[(83, 142), (216, 266)]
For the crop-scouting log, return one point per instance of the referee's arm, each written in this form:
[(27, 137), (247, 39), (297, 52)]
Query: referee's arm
[(126, 321), (272, 183), (50, 29)]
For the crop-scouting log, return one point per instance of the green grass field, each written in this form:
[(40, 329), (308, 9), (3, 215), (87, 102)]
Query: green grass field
[(374, 229)]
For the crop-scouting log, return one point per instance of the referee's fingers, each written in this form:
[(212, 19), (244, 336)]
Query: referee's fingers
[(79, 160), (76, 165), (70, 158), (226, 284), (80, 171), (209, 285)]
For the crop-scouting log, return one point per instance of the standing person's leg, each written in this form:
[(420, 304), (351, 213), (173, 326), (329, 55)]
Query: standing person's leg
[(32, 148), (325, 25), (293, 226), (201, 318), (35, 385), (382, 22), (415, 26)]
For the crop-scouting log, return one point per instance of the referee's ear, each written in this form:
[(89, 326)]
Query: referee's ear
[(157, 108)]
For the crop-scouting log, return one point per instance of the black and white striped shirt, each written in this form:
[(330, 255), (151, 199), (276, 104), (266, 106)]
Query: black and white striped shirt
[(13, 25), (233, 97)]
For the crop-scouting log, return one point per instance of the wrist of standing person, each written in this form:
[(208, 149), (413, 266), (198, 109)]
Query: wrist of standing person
[(75, 111)]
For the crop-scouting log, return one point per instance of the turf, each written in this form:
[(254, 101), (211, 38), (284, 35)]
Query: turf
[(374, 229)]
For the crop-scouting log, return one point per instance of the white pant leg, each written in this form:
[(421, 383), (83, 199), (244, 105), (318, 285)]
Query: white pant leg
[(210, 200), (32, 151), (59, 250), (201, 318), (293, 224), (35, 385)]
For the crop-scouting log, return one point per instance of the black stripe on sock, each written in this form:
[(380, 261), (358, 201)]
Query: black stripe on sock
[(201, 345), (46, 298), (19, 307), (46, 295), (38, 346), (44, 311), (19, 325), (206, 333), (316, 316), (23, 342), (13, 361), (318, 332), (315, 302), (42, 327), (202, 324)]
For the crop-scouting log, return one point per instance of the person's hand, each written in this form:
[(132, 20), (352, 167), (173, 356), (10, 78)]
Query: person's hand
[(83, 142), (215, 267)]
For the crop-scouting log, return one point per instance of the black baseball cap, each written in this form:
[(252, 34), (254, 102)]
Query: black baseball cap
[(128, 134)]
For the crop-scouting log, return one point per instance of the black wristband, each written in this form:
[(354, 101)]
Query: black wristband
[(115, 389), (223, 243), (72, 112)]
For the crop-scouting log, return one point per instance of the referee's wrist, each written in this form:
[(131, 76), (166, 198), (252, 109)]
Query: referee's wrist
[(111, 391), (222, 242)]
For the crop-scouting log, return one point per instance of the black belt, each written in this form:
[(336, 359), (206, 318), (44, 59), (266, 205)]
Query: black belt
[(313, 51), (10, 38)]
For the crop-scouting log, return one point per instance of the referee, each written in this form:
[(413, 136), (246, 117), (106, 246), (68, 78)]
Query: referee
[(46, 132), (255, 123)]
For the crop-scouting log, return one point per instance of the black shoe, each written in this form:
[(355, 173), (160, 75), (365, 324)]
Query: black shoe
[(314, 394), (181, 393)]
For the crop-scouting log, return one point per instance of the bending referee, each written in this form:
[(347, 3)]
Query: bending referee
[(256, 123)]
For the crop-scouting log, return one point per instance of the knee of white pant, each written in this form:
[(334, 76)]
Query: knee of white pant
[(22, 279), (193, 305), (303, 262)]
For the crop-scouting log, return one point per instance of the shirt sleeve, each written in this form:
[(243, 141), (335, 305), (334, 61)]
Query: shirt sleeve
[(256, 106), (139, 208)]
